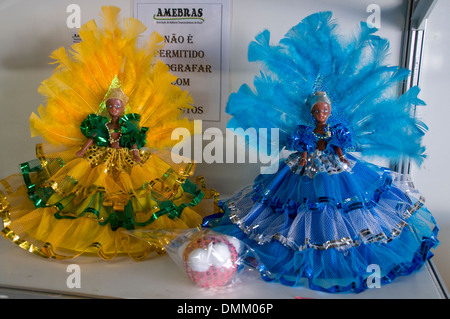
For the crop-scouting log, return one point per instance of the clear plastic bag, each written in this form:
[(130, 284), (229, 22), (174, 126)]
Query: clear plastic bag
[(209, 259)]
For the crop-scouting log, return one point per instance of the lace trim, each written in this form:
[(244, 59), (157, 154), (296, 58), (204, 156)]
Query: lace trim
[(365, 236)]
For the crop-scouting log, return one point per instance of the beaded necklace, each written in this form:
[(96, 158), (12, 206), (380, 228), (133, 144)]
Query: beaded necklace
[(116, 130), (325, 136)]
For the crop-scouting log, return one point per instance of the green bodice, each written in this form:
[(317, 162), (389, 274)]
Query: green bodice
[(95, 127)]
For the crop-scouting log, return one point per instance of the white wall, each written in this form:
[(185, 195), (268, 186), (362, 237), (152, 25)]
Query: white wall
[(30, 30), (432, 179)]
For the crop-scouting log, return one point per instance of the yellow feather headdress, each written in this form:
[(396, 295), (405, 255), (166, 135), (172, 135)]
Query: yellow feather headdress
[(85, 73)]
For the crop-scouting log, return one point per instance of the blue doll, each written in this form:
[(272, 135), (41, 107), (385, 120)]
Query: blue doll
[(327, 217)]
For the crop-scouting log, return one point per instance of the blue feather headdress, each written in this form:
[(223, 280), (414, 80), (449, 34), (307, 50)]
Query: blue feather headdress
[(364, 92)]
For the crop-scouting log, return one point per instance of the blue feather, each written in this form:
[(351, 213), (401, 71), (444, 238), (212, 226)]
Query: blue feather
[(365, 92)]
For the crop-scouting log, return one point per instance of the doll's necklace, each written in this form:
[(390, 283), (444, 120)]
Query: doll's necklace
[(112, 140), (324, 136)]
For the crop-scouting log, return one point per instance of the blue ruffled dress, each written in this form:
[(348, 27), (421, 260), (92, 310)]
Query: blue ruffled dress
[(332, 226)]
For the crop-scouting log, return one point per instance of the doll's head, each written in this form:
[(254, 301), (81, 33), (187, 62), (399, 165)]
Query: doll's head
[(115, 107), (321, 112), (115, 101), (321, 107)]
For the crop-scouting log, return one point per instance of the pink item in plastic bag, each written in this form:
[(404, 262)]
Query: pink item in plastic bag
[(210, 261)]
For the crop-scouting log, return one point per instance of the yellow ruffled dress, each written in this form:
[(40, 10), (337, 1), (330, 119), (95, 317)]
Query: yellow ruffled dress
[(62, 205)]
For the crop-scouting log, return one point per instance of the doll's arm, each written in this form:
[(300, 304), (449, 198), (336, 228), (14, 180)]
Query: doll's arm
[(136, 156), (340, 154), (86, 145), (300, 141), (95, 130)]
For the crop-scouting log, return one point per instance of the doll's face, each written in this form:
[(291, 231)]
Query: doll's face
[(321, 112), (115, 107)]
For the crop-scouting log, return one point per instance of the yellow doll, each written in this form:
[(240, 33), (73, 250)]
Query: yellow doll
[(111, 108)]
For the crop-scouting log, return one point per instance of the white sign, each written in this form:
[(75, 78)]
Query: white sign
[(196, 33)]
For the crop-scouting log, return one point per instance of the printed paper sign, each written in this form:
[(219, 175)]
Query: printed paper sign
[(196, 34)]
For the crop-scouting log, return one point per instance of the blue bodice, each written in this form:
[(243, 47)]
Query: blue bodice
[(303, 139)]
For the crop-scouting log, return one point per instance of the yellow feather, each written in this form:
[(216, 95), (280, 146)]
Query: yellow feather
[(110, 15), (60, 56), (133, 28), (84, 73)]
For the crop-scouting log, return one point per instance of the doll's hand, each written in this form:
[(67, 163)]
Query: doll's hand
[(86, 145), (136, 156), (303, 162), (80, 153), (344, 160)]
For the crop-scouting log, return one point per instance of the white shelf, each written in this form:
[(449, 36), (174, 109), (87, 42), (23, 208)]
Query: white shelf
[(24, 275)]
